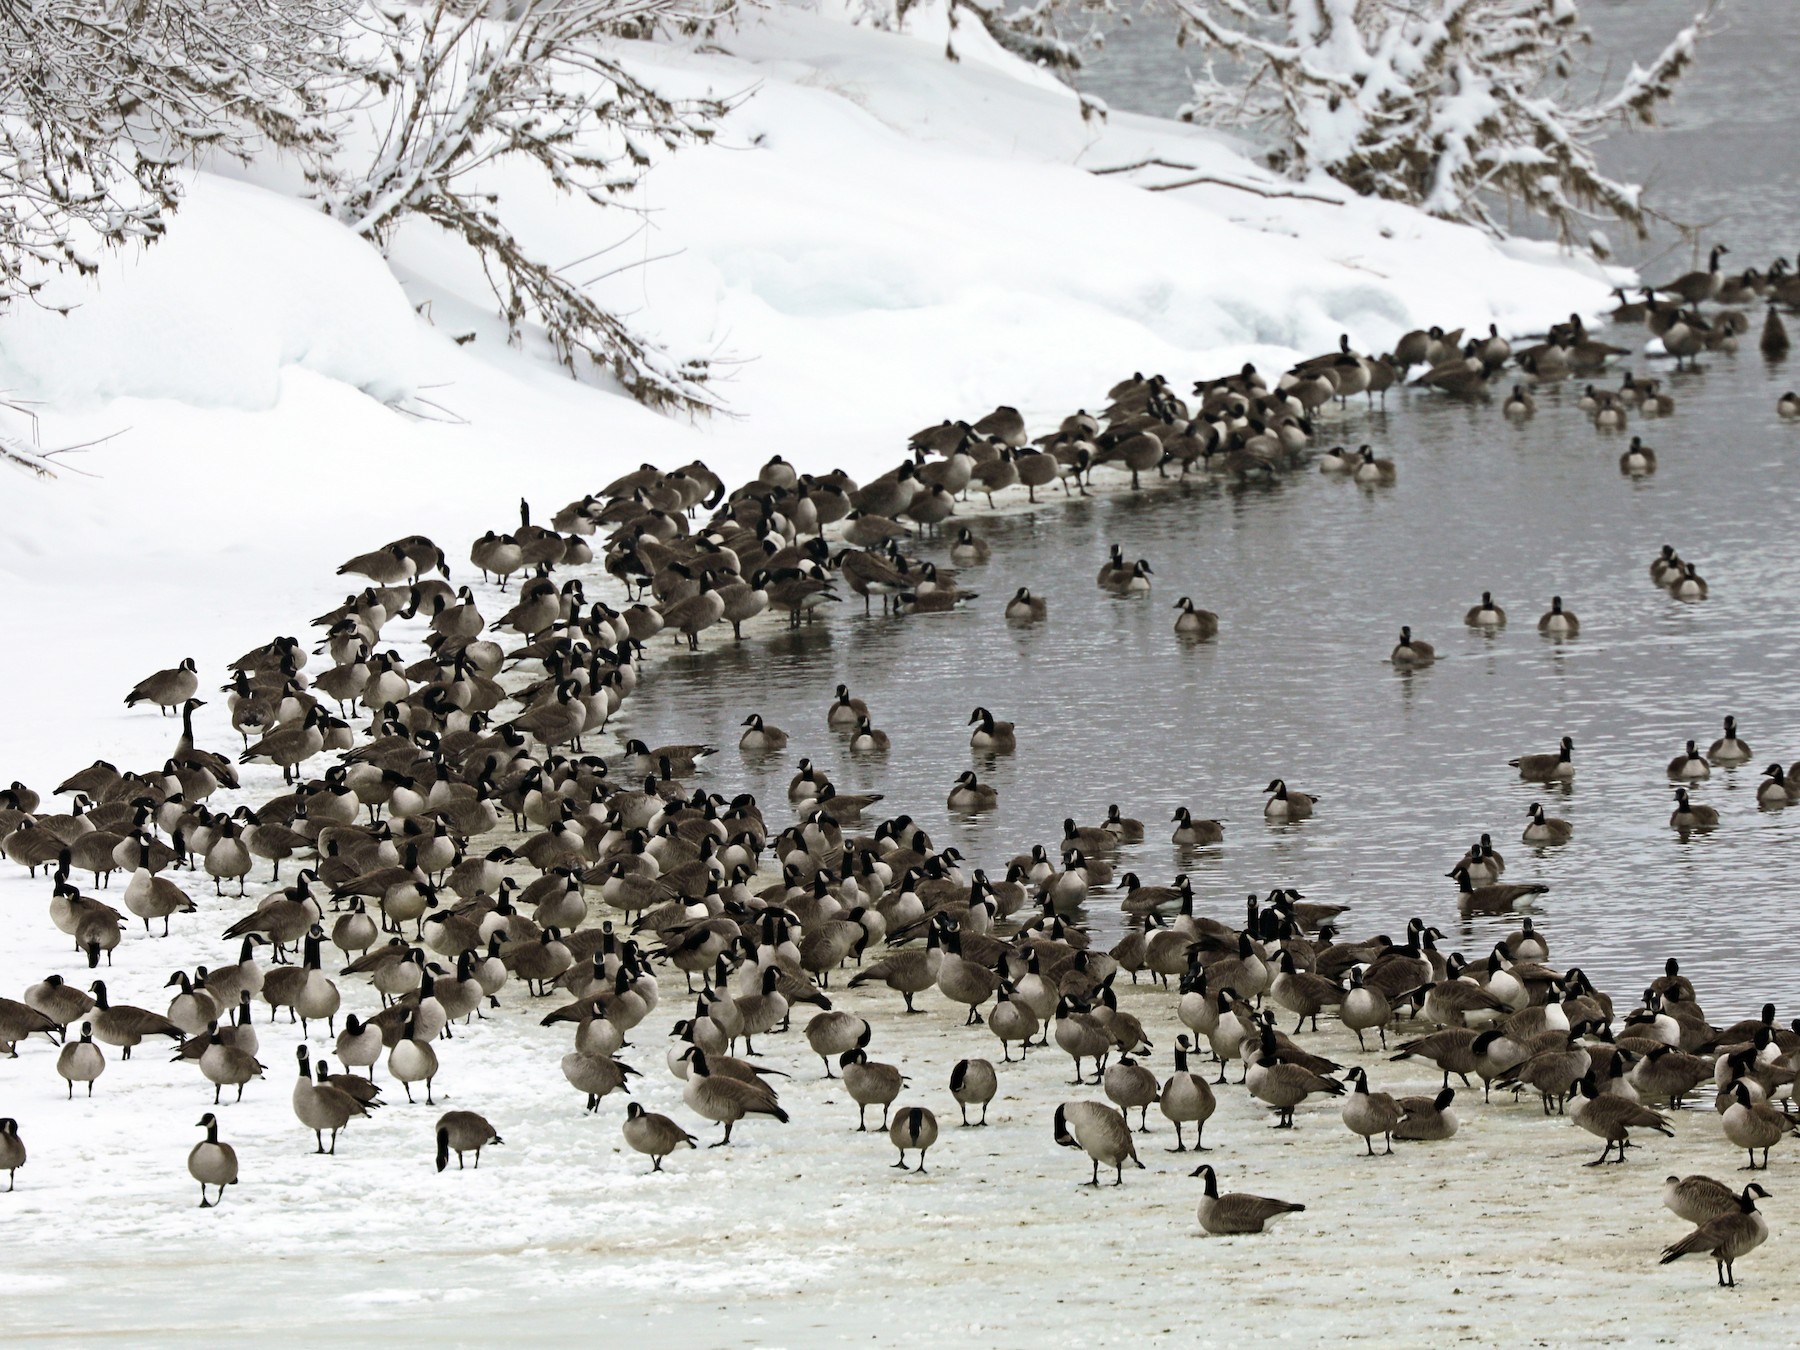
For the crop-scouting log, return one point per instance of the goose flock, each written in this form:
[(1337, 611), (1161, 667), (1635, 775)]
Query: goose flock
[(453, 836)]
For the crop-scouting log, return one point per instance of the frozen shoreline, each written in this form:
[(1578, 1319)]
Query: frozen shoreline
[(802, 1234)]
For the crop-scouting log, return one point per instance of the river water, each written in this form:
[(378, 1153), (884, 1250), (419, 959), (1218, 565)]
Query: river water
[(1312, 578), (1721, 156)]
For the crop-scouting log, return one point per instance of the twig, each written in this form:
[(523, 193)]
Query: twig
[(1241, 187), (1153, 162)]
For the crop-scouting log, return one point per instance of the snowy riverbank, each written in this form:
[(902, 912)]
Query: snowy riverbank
[(884, 239)]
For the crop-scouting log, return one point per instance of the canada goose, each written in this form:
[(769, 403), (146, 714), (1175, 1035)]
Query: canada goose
[(1284, 1086), (1689, 585), (1698, 1198), (832, 1033), (1775, 791), (1787, 407), (1610, 1118), (1128, 1084), (973, 1082), (913, 1127), (760, 737), (1551, 768), (1638, 459), (1559, 622), (1546, 830), (1025, 608), (1285, 805), (1081, 1036), (1727, 1237), (1694, 288), (867, 740), (1666, 1073), (1753, 1125), (1461, 1003), (1408, 652), (412, 1060), (1665, 567), (153, 897), (726, 1100), (81, 1061), (1100, 1132), (1485, 615), (993, 737), (1125, 829), (1692, 816), (906, 972), (167, 689), (870, 1084), (1369, 1113), (845, 712), (1372, 470), (12, 1150), (1012, 1019), (1302, 992), (1496, 898), (595, 1076), (1134, 581), (290, 746), (125, 1026), (1187, 1098), (971, 795), (211, 1163), (1192, 833), (224, 1064), (655, 1136), (1236, 1212), (1193, 622), (1452, 1050), (1690, 764), (1426, 1119), (1365, 1009), (968, 550), (320, 1106), (1729, 749), (58, 1000), (1519, 405), (463, 1132)]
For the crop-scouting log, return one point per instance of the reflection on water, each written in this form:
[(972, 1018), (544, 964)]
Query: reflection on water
[(1312, 578), (1721, 157)]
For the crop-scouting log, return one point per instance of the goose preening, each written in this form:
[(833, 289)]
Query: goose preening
[(1099, 1131), (12, 1151), (462, 1132), (1727, 1236)]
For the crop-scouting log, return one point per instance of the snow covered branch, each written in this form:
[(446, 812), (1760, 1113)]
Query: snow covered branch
[(104, 102), (1452, 105), (454, 94)]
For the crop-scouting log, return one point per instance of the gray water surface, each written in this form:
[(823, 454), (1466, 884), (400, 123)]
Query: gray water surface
[(1312, 578), (1721, 156)]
